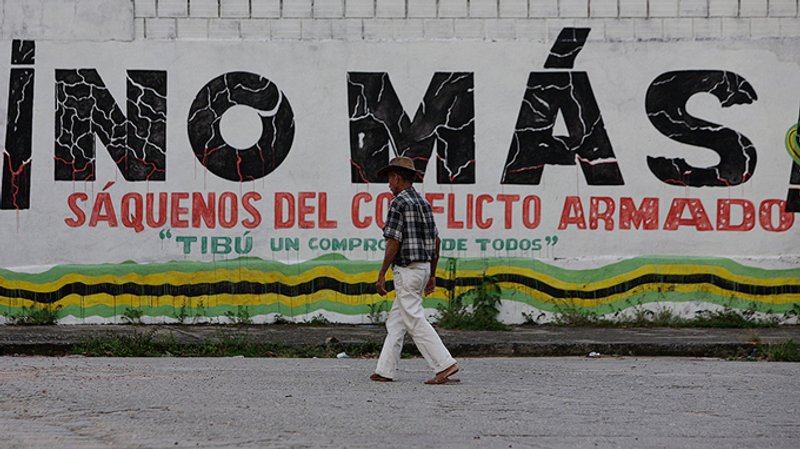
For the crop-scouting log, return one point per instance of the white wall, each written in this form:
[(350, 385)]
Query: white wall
[(403, 20), (312, 45), (503, 20), (67, 20)]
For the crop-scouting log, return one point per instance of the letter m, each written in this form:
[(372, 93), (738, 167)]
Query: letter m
[(444, 124)]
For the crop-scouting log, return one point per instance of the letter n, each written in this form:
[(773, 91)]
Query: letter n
[(85, 110), (444, 124)]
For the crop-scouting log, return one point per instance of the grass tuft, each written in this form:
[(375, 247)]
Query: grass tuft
[(36, 315), (147, 344), (241, 317), (569, 315), (787, 351), (482, 312)]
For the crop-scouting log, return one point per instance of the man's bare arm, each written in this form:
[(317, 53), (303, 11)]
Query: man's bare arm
[(392, 248), (431, 285)]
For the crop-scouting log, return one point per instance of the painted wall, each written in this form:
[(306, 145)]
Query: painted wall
[(192, 174)]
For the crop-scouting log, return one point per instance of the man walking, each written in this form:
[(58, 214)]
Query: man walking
[(412, 248)]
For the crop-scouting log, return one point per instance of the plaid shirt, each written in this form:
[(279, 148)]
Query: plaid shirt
[(410, 222)]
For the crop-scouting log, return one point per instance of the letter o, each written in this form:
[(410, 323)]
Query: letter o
[(324, 244), (277, 130)]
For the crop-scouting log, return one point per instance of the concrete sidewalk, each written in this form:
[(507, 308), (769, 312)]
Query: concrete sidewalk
[(522, 341)]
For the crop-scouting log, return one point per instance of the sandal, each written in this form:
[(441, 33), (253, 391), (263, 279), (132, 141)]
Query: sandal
[(378, 378), (443, 377)]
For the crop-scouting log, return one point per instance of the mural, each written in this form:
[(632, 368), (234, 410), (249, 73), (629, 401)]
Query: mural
[(245, 175), (206, 292)]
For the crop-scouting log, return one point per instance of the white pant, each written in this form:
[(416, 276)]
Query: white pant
[(407, 315)]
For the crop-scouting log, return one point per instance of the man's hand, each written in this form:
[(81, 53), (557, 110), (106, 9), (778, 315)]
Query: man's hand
[(380, 284), (431, 285), (392, 248)]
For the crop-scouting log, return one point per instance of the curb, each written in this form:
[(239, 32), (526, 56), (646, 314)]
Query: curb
[(717, 350), (473, 350), (713, 350)]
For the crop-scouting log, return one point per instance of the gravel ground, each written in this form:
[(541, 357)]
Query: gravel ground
[(77, 402)]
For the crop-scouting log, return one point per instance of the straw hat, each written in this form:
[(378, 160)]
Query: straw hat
[(400, 162)]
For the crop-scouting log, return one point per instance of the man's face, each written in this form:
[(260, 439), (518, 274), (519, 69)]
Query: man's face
[(394, 182)]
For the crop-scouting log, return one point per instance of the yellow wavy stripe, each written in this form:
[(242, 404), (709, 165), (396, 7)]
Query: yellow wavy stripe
[(666, 269), (179, 278), (666, 288), (225, 299)]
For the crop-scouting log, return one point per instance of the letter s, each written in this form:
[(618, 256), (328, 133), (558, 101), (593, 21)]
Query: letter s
[(80, 216)]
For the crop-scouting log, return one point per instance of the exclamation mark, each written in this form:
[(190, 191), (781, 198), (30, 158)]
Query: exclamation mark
[(16, 191)]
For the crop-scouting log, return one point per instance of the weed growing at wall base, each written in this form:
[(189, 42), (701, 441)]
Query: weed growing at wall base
[(570, 315), (132, 315), (730, 318), (318, 320), (240, 317), (182, 314), (35, 315), (378, 312), (147, 344), (481, 315)]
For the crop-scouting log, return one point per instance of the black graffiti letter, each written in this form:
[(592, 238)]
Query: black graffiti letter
[(793, 197), (666, 108), (16, 192), (548, 93), (277, 126), (380, 128), (85, 109)]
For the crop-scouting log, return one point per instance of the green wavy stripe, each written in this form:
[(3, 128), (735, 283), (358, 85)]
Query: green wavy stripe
[(622, 267), (359, 266), (121, 269), (107, 311), (648, 297)]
